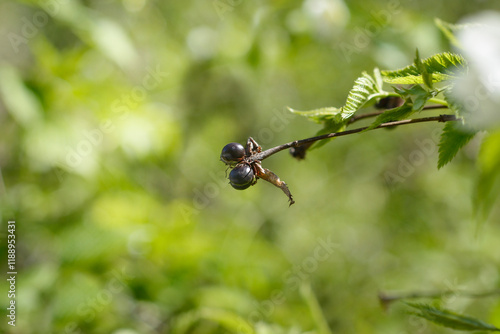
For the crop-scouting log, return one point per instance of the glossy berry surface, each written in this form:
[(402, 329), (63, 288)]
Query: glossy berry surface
[(232, 153), (241, 177)]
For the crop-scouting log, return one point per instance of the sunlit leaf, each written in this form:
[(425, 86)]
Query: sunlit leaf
[(320, 115), (365, 89), (330, 117), (442, 66)]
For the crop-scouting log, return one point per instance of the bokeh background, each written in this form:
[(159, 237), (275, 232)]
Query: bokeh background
[(112, 118)]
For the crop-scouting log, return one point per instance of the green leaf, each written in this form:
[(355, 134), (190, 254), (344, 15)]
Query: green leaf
[(395, 114), (366, 88), (422, 69), (419, 95), (330, 117), (453, 138), (320, 115), (450, 319), (441, 67), (420, 101), (379, 82)]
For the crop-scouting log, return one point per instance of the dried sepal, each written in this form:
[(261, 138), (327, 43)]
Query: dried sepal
[(272, 178)]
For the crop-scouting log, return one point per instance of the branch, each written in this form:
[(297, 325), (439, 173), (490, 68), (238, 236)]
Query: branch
[(300, 152), (267, 153)]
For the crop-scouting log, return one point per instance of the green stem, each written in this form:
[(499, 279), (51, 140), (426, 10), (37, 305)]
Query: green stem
[(438, 101)]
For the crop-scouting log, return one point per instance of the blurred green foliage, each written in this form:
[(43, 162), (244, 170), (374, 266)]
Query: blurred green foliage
[(113, 115)]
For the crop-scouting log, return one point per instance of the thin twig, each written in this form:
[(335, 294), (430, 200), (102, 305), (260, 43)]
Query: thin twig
[(300, 152), (362, 116), (267, 153), (356, 118)]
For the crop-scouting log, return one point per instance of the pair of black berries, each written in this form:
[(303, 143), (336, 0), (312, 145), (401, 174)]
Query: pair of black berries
[(242, 175), (247, 168)]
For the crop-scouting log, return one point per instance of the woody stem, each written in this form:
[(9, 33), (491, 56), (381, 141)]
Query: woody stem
[(267, 153)]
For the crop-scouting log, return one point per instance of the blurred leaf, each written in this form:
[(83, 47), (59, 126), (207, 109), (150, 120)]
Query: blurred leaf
[(457, 106), (450, 319), (448, 30), (21, 102), (96, 30), (453, 138), (487, 189), (312, 302), (265, 328), (453, 104), (114, 42), (442, 66), (227, 319)]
